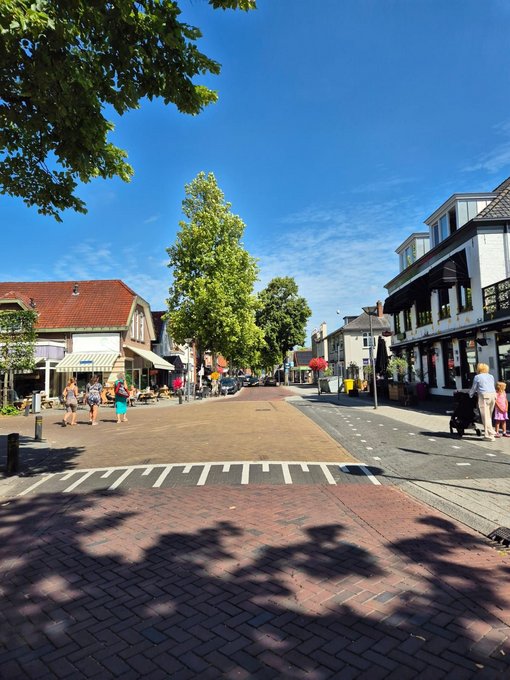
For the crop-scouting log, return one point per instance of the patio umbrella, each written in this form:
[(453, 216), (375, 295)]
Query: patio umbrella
[(381, 359)]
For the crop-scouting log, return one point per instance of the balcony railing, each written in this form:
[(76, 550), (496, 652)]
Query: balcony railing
[(496, 300)]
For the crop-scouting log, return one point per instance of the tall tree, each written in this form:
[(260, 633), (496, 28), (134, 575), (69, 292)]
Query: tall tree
[(17, 345), (62, 62), (282, 317), (211, 298)]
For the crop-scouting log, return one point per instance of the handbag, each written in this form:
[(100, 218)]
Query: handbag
[(121, 391)]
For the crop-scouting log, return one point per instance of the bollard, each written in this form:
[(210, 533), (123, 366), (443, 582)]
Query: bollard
[(27, 410), (38, 429), (12, 453), (180, 397)]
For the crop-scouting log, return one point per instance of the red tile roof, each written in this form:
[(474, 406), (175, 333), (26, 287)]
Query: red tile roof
[(98, 304)]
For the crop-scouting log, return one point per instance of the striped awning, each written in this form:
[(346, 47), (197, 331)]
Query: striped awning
[(152, 357), (87, 362)]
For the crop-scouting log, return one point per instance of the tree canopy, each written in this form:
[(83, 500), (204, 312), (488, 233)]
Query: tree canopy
[(282, 317), (63, 62), (211, 299)]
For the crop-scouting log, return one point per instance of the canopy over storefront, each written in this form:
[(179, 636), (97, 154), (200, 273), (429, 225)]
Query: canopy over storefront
[(152, 357), (87, 362)]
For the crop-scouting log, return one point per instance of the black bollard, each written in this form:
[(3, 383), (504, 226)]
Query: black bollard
[(180, 397), (12, 453), (38, 429)]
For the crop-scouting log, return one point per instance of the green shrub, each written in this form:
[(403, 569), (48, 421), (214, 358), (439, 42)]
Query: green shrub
[(9, 410)]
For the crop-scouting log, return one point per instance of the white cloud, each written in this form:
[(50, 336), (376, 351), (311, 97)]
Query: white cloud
[(342, 258), (497, 158), (152, 218)]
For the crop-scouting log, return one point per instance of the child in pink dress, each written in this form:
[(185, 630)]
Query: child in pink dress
[(501, 409)]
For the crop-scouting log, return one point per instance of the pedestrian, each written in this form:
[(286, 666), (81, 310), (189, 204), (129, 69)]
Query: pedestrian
[(94, 398), (121, 397), (70, 395), (501, 409), (483, 385)]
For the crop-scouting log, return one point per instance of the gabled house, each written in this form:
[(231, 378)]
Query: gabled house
[(451, 305), (349, 345), (83, 328)]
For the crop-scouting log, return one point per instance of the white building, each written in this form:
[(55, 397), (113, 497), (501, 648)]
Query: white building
[(451, 302)]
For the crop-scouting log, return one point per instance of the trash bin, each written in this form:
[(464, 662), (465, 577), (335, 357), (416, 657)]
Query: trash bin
[(36, 402), (348, 385)]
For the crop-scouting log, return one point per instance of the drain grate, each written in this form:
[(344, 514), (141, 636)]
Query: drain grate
[(501, 534)]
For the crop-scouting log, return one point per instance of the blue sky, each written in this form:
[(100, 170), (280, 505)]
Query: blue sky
[(341, 125)]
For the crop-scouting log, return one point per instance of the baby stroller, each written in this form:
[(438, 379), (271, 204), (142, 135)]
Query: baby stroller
[(465, 414)]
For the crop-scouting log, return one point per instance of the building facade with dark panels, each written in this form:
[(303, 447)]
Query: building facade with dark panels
[(451, 306)]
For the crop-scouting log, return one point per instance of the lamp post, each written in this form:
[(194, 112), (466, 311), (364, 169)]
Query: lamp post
[(372, 311), (188, 357)]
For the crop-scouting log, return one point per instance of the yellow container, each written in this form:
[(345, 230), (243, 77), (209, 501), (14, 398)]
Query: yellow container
[(348, 385)]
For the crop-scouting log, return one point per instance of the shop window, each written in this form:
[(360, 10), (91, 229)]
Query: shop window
[(449, 366), (443, 295)]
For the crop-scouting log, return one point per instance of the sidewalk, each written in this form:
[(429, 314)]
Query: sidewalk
[(481, 503)]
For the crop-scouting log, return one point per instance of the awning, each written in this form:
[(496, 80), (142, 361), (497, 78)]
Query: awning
[(152, 357), (177, 362), (87, 362), (450, 272)]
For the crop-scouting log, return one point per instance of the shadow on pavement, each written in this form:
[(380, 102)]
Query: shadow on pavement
[(90, 587), (36, 458)]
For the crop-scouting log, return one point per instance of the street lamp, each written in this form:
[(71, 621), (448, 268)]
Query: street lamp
[(372, 311), (188, 342)]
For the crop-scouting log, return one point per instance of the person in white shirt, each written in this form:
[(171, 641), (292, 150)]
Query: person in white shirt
[(484, 386)]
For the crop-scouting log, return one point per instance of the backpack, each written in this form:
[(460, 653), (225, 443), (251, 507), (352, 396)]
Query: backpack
[(121, 391)]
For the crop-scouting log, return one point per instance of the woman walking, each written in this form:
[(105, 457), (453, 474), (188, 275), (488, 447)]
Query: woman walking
[(483, 385), (121, 398), (94, 398), (70, 395)]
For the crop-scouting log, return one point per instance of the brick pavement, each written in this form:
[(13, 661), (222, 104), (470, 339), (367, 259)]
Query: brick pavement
[(257, 582), (256, 424)]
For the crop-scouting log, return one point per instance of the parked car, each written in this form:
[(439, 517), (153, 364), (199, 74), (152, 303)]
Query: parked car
[(228, 386), (250, 381), (270, 381)]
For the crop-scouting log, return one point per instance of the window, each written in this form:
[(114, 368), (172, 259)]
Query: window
[(366, 339), (423, 311), (464, 301), (443, 296), (396, 320), (141, 334), (452, 218), (408, 324), (133, 326), (434, 234), (444, 228), (449, 364)]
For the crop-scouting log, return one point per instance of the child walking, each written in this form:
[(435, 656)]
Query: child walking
[(501, 409)]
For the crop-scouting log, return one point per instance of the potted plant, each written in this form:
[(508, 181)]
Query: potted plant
[(397, 366)]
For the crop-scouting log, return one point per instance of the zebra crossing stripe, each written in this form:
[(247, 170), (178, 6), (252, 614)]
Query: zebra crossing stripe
[(159, 481), (119, 481), (204, 474), (34, 486), (78, 481), (286, 473), (245, 474), (326, 472)]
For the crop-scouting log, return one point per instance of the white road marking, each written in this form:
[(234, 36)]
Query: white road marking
[(370, 448), (108, 473), (286, 473), (304, 467), (364, 441), (226, 467), (376, 458), (245, 474), (463, 463), (455, 447), (412, 434), (186, 470), (79, 481), (34, 486), (204, 474), (119, 481), (431, 439), (326, 472), (265, 467), (148, 471), (345, 468), (159, 481), (493, 455)]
